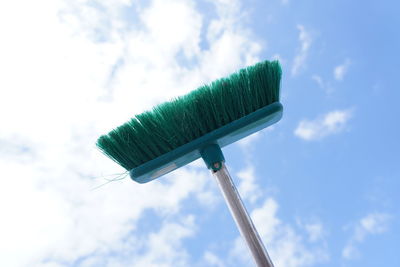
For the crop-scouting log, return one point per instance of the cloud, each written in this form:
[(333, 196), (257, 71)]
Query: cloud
[(165, 247), (286, 247), (315, 231), (246, 142), (318, 80), (213, 260), (372, 224), (341, 70), (72, 70), (248, 188), (322, 84), (305, 43), (328, 124), (67, 221)]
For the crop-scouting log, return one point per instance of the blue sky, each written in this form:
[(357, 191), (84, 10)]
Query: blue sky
[(321, 185)]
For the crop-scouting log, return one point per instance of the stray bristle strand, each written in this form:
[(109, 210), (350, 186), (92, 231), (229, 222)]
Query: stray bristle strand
[(175, 123)]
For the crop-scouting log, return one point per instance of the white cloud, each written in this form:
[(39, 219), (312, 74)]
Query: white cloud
[(165, 248), (328, 124), (305, 43), (372, 224), (246, 142), (318, 80), (341, 70), (350, 252), (322, 84), (72, 70), (248, 188), (212, 260), (286, 247), (315, 231), (68, 221)]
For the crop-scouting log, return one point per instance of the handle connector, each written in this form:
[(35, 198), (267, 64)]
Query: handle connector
[(213, 157)]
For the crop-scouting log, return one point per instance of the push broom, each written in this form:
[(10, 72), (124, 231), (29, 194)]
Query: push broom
[(196, 125)]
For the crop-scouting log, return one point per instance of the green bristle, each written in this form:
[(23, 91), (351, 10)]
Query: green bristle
[(175, 123)]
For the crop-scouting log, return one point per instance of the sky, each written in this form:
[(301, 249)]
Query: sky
[(322, 185)]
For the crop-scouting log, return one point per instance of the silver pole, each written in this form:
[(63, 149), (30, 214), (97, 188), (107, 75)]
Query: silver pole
[(242, 218)]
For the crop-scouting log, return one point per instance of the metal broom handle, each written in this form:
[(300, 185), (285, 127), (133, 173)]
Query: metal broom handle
[(242, 218)]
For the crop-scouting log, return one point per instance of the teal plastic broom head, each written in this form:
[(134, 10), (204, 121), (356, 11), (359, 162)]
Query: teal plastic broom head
[(198, 124)]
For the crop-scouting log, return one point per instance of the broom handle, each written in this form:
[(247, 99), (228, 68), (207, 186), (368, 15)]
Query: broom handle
[(242, 218)]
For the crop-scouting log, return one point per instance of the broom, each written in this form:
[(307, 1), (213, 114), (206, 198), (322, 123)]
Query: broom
[(196, 125)]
